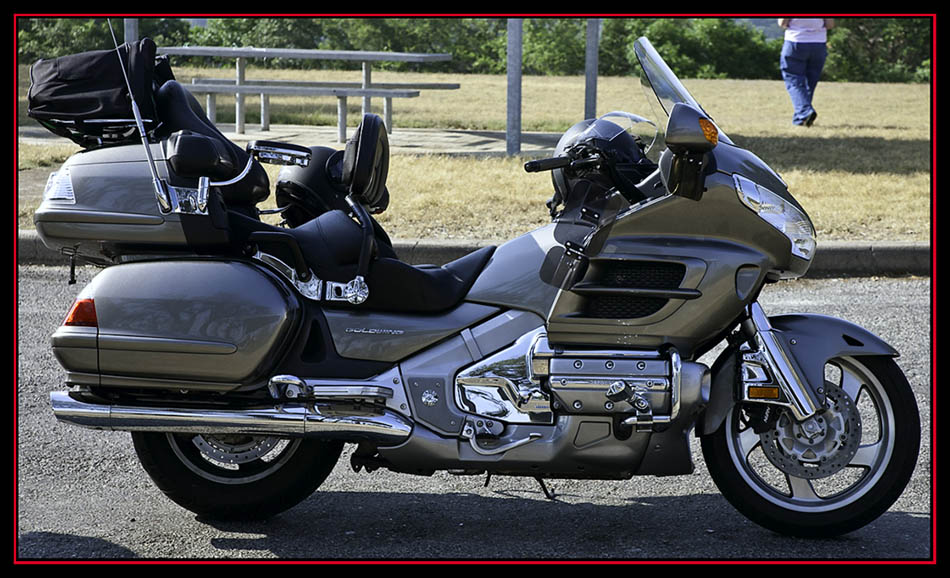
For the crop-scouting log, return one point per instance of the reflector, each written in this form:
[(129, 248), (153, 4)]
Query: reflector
[(763, 393)]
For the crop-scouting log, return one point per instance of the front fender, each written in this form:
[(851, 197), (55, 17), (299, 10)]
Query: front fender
[(810, 340)]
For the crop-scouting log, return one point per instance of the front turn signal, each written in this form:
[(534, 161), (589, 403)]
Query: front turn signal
[(709, 131)]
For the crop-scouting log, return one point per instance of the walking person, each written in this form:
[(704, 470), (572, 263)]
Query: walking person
[(803, 58)]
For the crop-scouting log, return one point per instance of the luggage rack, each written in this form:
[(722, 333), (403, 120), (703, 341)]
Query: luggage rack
[(94, 133)]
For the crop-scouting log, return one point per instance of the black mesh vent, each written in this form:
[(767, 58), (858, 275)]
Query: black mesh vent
[(623, 306), (633, 275), (642, 274)]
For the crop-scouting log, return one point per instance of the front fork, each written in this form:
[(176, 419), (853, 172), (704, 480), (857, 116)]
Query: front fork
[(769, 374)]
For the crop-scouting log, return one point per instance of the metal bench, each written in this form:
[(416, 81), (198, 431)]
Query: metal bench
[(265, 89)]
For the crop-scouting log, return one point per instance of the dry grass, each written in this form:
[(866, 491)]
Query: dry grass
[(863, 171), (32, 156)]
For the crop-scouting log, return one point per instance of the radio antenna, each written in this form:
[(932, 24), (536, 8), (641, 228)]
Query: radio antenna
[(162, 194)]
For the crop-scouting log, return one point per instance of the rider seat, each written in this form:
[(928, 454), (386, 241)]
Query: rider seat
[(331, 243)]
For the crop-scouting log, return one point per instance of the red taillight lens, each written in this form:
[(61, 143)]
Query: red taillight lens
[(82, 313)]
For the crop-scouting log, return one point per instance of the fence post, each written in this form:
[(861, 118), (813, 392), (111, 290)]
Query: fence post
[(340, 118), (513, 128), (239, 97), (131, 29), (367, 82), (265, 112), (590, 86)]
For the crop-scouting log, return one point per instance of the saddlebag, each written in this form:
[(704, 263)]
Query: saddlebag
[(202, 325)]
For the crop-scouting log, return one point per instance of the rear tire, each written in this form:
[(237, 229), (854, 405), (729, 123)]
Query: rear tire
[(793, 489), (235, 477)]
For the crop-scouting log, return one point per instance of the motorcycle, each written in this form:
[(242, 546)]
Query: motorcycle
[(242, 356)]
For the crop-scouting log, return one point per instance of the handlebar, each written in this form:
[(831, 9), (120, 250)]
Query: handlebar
[(561, 162), (546, 164)]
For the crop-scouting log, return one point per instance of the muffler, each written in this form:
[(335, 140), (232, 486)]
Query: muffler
[(381, 425)]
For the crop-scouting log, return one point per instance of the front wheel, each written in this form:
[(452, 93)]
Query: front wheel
[(235, 477), (829, 475)]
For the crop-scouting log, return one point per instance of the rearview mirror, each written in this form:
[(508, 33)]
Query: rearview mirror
[(690, 131), (689, 136)]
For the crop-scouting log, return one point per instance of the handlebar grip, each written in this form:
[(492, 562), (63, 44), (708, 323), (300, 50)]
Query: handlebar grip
[(546, 164)]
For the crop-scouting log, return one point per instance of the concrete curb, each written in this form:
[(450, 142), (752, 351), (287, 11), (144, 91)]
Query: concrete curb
[(833, 258)]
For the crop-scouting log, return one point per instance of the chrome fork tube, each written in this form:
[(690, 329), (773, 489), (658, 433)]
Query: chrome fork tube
[(801, 397)]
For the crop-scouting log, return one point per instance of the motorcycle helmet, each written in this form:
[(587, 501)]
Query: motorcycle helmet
[(625, 163)]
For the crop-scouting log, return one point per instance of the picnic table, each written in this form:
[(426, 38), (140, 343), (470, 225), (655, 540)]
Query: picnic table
[(366, 89)]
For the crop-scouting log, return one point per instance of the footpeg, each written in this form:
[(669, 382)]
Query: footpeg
[(468, 432)]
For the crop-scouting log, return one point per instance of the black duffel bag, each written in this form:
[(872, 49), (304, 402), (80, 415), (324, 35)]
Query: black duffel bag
[(84, 96)]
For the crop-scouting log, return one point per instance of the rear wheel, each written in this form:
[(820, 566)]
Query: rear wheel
[(236, 477), (829, 475)]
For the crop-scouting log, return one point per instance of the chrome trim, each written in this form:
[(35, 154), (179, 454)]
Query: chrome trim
[(789, 381), (676, 376), (384, 388), (335, 291), (498, 387), (468, 432), (356, 291), (247, 169), (311, 289), (278, 155), (303, 420), (291, 386), (542, 349), (190, 201)]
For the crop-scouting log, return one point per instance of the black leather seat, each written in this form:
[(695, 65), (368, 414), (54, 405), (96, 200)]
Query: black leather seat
[(179, 110), (331, 244)]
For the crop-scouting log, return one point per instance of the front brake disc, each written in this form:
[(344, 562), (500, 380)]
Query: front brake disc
[(820, 446)]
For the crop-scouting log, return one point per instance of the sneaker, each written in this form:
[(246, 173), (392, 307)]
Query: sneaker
[(811, 118)]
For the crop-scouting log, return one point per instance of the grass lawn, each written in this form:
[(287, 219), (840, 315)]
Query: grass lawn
[(863, 171)]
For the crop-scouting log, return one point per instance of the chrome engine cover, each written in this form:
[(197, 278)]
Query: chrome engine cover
[(528, 382)]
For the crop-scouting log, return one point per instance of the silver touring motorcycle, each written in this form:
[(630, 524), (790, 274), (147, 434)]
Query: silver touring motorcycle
[(242, 356)]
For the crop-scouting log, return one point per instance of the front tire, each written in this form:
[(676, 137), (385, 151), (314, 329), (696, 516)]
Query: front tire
[(822, 486), (235, 477)]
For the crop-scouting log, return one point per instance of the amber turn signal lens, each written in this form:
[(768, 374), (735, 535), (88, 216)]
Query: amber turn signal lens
[(763, 393), (82, 313), (709, 131)]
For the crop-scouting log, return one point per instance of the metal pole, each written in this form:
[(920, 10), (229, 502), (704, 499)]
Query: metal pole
[(239, 97), (131, 29), (590, 86), (513, 130), (367, 82)]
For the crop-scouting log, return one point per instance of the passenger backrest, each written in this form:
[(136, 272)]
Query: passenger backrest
[(179, 110), (366, 162)]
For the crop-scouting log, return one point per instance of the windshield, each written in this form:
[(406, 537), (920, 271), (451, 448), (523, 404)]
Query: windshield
[(662, 85), (643, 130)]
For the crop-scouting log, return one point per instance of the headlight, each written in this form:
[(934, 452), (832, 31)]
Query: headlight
[(779, 213)]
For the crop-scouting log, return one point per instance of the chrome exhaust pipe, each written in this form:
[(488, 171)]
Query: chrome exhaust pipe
[(385, 427)]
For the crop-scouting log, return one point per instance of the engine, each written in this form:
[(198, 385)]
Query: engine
[(532, 381)]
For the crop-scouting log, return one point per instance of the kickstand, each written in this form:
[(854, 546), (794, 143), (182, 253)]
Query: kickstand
[(548, 494), (487, 479)]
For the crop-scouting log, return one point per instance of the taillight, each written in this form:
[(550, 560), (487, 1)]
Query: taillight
[(82, 313)]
